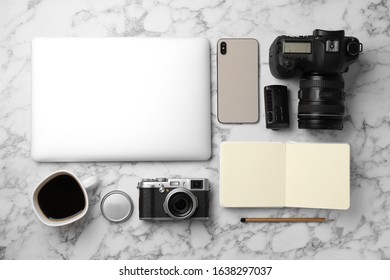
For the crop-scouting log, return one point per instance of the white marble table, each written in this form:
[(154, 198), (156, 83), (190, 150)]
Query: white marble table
[(362, 232)]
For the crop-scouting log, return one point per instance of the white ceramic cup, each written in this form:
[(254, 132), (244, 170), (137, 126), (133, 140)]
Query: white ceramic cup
[(85, 185)]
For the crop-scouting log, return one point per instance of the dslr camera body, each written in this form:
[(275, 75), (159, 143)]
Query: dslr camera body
[(173, 199), (322, 58)]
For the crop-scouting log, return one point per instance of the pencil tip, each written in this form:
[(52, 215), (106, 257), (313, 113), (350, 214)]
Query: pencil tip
[(242, 220)]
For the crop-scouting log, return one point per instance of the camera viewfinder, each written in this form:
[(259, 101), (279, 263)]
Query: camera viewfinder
[(196, 184)]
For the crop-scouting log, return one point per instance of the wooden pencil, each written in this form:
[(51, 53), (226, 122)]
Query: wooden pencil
[(285, 220)]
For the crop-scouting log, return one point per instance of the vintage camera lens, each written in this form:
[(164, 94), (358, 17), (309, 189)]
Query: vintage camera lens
[(180, 203), (321, 102)]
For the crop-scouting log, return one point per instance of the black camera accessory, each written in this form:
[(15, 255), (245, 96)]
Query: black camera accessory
[(116, 206), (322, 58), (276, 107)]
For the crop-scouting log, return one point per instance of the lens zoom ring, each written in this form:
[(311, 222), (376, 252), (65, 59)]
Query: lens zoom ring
[(330, 84), (333, 109)]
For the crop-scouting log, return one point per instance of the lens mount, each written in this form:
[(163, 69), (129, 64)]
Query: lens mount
[(321, 101), (180, 204)]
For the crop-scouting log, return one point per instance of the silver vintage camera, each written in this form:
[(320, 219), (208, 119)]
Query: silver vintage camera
[(173, 199)]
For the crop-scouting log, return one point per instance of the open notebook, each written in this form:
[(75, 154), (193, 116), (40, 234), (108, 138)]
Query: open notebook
[(284, 175)]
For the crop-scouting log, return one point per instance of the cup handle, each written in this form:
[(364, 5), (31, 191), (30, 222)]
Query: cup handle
[(90, 183)]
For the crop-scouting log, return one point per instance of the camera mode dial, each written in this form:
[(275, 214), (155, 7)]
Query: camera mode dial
[(146, 180), (161, 179), (328, 33)]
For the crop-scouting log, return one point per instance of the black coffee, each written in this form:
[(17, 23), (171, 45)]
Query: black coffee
[(61, 197)]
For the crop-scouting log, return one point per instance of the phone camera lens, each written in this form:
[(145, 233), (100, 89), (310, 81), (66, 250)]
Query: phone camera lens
[(223, 48)]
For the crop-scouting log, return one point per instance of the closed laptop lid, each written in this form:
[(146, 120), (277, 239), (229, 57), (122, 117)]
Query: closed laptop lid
[(120, 99)]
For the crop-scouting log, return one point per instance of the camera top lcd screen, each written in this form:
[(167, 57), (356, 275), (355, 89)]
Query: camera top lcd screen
[(296, 47)]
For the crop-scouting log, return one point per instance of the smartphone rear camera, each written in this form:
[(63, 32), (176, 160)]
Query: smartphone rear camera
[(223, 48)]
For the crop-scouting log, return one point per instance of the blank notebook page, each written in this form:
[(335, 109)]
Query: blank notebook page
[(317, 175), (252, 174)]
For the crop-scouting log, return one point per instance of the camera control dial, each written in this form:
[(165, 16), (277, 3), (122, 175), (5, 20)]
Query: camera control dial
[(147, 180), (161, 179)]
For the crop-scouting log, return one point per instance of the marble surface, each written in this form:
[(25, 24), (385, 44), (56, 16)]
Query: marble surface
[(362, 232)]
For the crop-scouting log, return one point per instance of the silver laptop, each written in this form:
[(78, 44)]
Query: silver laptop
[(120, 99)]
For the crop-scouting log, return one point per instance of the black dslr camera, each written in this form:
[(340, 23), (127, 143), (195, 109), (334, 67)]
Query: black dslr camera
[(322, 58), (174, 199)]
